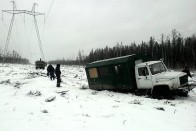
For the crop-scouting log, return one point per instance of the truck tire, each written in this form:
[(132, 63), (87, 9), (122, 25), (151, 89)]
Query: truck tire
[(162, 92), (154, 93)]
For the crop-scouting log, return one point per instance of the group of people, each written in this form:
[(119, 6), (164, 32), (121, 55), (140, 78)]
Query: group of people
[(51, 71)]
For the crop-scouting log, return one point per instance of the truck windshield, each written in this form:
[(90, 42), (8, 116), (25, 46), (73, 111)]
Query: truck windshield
[(157, 68)]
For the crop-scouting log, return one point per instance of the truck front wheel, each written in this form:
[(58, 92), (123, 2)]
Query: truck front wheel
[(162, 92)]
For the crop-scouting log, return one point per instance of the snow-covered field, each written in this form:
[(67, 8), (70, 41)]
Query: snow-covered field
[(30, 101)]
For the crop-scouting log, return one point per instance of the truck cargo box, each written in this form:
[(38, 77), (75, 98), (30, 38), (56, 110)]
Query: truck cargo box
[(115, 73)]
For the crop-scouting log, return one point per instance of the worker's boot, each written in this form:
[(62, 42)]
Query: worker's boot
[(58, 85)]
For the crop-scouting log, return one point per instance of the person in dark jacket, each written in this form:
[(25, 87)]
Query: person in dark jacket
[(58, 75), (186, 70), (50, 71)]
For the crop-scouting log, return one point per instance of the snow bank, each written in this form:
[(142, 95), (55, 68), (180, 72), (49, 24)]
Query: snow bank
[(24, 106)]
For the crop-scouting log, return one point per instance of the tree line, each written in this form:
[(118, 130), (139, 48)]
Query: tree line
[(64, 62), (175, 50), (13, 57)]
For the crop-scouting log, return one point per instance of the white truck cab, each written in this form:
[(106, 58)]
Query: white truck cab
[(154, 74)]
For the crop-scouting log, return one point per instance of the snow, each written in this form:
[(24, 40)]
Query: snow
[(24, 92)]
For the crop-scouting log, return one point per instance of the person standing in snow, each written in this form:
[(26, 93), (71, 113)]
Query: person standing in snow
[(58, 75), (186, 70), (50, 71)]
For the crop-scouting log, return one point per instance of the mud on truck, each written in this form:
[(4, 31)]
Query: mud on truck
[(136, 72)]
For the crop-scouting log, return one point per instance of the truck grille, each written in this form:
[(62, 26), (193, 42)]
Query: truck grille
[(183, 80)]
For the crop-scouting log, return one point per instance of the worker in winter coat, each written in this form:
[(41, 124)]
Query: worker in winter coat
[(58, 75), (186, 70), (50, 71)]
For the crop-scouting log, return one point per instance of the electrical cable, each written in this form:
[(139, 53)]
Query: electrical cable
[(19, 42), (48, 12), (27, 36), (50, 7)]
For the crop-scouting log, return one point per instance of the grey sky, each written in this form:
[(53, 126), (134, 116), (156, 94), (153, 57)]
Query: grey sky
[(85, 24)]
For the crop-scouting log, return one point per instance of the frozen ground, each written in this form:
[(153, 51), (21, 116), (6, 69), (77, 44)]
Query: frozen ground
[(29, 101)]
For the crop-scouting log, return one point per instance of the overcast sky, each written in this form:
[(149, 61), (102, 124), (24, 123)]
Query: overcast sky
[(89, 24)]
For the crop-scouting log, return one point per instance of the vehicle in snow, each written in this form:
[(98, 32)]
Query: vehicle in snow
[(135, 72), (40, 64)]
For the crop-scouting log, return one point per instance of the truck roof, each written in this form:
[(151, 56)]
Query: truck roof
[(40, 62), (109, 61), (149, 63), (117, 60)]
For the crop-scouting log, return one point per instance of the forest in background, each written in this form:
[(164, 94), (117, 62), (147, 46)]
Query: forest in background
[(13, 57), (175, 50)]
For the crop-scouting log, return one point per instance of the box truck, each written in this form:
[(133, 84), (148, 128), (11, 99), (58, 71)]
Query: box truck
[(135, 72)]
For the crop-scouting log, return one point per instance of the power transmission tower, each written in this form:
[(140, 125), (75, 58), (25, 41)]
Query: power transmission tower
[(14, 12), (34, 14)]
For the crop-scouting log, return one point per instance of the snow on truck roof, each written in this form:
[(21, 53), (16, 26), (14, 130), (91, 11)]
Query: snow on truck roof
[(113, 58), (109, 61), (116, 60), (149, 63)]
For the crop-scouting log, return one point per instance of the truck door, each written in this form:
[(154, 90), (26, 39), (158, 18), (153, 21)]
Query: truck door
[(143, 78)]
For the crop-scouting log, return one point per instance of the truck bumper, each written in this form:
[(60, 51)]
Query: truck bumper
[(183, 91)]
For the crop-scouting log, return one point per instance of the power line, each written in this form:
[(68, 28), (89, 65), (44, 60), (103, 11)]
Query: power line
[(19, 42), (49, 9), (27, 35)]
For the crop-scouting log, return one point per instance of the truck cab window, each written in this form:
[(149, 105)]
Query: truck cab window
[(93, 73), (143, 71)]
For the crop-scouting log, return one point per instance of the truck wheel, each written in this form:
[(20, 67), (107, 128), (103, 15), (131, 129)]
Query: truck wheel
[(169, 94), (154, 93), (162, 92)]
